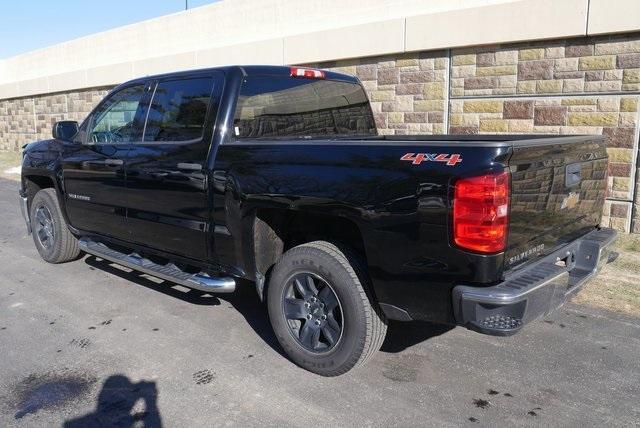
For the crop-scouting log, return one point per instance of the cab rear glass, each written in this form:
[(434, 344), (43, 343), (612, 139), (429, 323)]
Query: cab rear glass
[(297, 107)]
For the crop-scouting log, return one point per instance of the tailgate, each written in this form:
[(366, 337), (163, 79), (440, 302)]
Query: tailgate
[(557, 193)]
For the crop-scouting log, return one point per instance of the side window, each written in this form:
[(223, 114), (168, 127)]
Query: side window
[(115, 120), (178, 110)]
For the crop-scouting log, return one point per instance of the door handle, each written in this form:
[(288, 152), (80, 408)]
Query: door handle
[(114, 162), (190, 166)]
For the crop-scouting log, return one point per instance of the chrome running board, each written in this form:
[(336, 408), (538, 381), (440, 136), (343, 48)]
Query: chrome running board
[(169, 272)]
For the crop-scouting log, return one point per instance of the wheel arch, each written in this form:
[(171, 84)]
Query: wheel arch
[(33, 183), (277, 230)]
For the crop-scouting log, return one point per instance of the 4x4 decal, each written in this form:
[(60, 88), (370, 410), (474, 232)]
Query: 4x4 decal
[(418, 158)]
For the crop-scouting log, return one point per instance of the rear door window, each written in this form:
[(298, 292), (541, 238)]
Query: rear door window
[(178, 110)]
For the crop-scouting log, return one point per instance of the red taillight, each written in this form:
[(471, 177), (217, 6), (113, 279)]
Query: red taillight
[(481, 212), (307, 72)]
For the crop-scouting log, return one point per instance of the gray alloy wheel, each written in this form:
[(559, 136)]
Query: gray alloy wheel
[(44, 227), (313, 312)]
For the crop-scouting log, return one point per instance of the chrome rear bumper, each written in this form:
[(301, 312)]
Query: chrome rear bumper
[(534, 291)]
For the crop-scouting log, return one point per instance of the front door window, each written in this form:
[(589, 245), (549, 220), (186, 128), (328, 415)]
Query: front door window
[(118, 120)]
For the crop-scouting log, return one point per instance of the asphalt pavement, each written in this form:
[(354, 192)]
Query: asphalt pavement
[(90, 344)]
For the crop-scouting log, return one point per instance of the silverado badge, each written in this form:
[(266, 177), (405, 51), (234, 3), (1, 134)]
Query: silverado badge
[(526, 254)]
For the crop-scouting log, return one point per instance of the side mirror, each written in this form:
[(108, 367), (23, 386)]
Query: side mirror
[(65, 130)]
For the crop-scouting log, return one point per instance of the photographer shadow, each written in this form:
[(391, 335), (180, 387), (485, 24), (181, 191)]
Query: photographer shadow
[(117, 404)]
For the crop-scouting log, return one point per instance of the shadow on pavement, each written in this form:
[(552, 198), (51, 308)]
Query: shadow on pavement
[(400, 335), (192, 296), (117, 401), (245, 299)]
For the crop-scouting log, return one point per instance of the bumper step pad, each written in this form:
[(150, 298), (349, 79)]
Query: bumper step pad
[(501, 322)]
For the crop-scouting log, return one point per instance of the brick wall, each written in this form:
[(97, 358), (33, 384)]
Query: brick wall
[(574, 86)]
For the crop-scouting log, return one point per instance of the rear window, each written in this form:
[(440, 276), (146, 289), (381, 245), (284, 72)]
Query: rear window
[(280, 107)]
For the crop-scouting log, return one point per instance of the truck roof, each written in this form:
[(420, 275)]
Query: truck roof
[(247, 70)]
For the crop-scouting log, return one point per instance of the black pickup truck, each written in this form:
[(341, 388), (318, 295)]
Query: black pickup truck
[(277, 175)]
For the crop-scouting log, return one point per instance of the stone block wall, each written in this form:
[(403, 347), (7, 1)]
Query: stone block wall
[(574, 66), (568, 86), (24, 120)]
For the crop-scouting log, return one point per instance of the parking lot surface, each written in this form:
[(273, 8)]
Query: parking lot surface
[(90, 343)]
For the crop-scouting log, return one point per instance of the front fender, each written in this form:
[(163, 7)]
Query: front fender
[(41, 168)]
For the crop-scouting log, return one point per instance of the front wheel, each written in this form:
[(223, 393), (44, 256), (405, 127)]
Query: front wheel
[(51, 235), (321, 311)]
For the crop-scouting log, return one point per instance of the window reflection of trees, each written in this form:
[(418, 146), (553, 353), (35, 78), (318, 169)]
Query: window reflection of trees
[(344, 120), (270, 107)]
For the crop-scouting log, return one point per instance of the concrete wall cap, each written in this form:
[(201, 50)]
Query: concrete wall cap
[(284, 32)]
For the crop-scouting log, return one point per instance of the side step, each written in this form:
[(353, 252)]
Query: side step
[(170, 272)]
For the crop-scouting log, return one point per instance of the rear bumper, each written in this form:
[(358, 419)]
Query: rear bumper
[(24, 209), (535, 290)]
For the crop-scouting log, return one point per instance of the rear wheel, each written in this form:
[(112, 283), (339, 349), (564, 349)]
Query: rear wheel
[(51, 235), (321, 311)]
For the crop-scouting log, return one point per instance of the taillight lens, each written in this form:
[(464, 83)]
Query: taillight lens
[(481, 212), (307, 72)]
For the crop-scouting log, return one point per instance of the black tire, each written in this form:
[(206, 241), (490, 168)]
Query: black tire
[(363, 326), (54, 242)]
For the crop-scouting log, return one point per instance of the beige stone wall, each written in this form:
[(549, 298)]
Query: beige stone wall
[(24, 120), (574, 66)]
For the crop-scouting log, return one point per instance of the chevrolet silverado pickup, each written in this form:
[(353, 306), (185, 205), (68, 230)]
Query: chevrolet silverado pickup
[(277, 175)]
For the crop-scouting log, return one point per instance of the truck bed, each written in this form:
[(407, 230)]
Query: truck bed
[(547, 210)]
